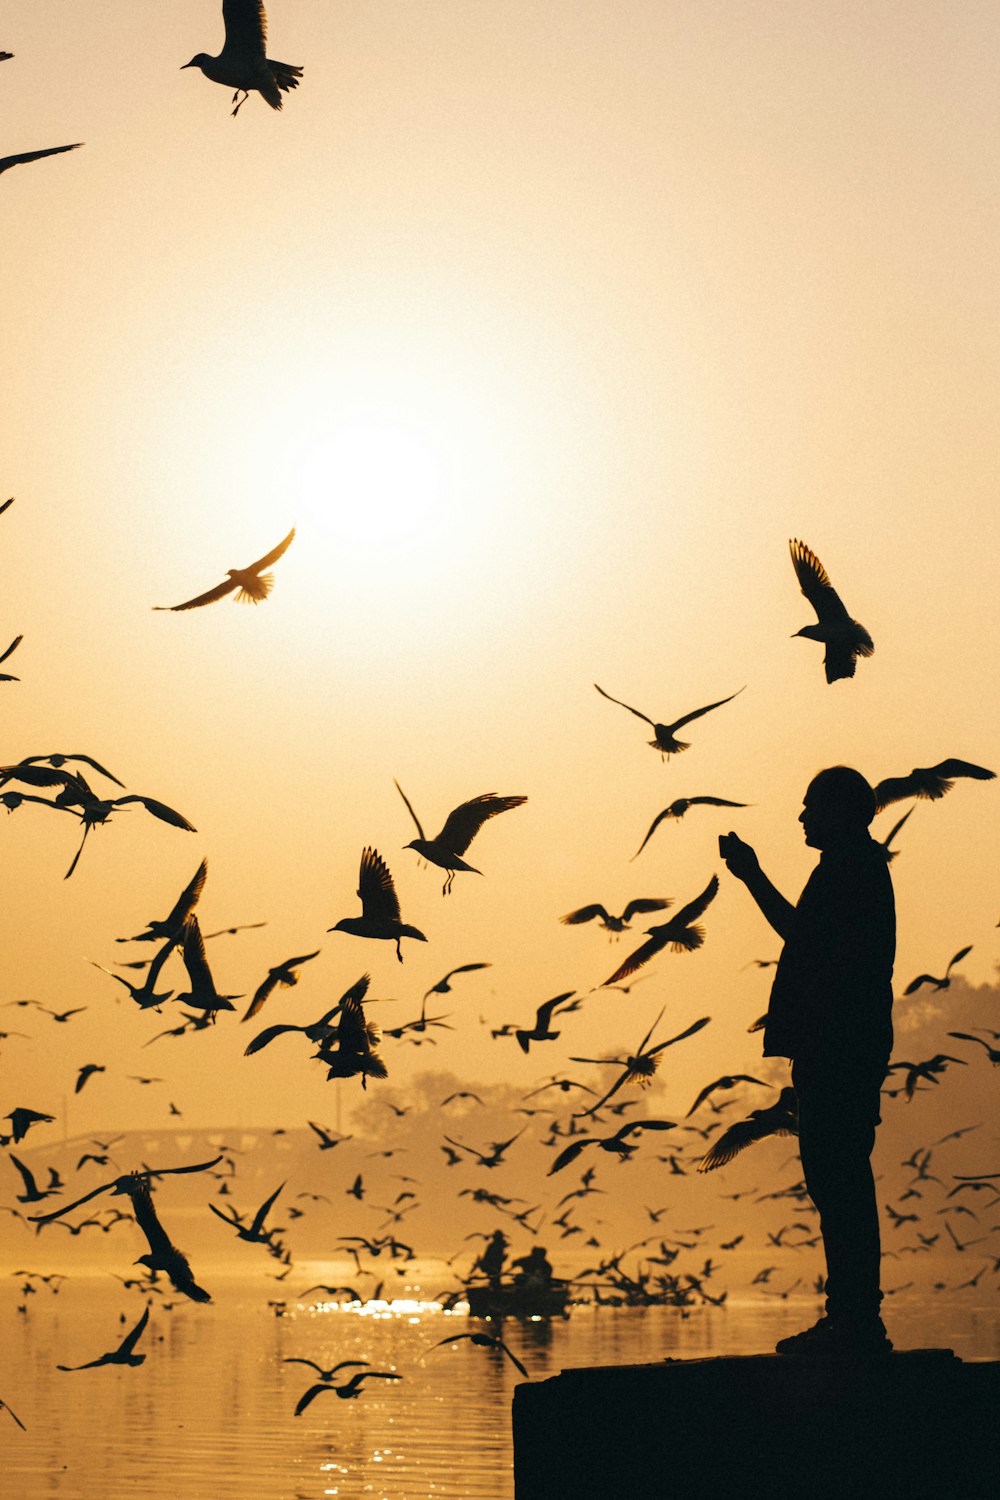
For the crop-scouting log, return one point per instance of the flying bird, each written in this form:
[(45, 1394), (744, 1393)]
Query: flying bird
[(125, 1353), (681, 932), (352, 1046), (929, 782), (86, 1072), (639, 906), (886, 844), (642, 1067), (203, 994), (254, 1232), (171, 927), (347, 1392), (443, 986), (6, 162), (845, 640), (728, 1082), (460, 828), (243, 64), (929, 1071), (779, 1118), (484, 1341), (21, 1121), (542, 1029), (993, 1053), (664, 737), (32, 1192), (617, 1144), (679, 808), (252, 582), (285, 974), (380, 915), (939, 984)]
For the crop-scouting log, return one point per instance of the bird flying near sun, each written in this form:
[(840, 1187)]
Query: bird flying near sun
[(845, 640), (252, 582), (243, 64)]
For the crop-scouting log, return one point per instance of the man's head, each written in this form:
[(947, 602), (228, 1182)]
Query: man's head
[(839, 804)]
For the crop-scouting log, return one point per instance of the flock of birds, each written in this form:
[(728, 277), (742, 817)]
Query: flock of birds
[(346, 1042)]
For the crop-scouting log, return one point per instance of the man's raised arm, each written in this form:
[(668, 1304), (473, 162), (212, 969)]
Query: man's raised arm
[(741, 861)]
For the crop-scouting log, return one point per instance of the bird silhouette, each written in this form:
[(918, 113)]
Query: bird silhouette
[(125, 1353), (252, 583), (681, 933), (3, 1404), (171, 927), (203, 994), (483, 1341), (347, 1392), (352, 1046), (728, 1082), (315, 1031), (32, 1192), (993, 1053), (542, 1030), (87, 1071), (664, 736), (929, 1071), (779, 1118), (641, 1068), (845, 640), (618, 1144), (243, 64), (460, 828), (6, 162), (284, 974), (885, 845), (254, 1232), (380, 915), (678, 808), (21, 1121), (939, 984), (443, 986), (637, 907), (928, 782)]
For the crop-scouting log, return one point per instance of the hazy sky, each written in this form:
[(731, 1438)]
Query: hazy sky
[(546, 325)]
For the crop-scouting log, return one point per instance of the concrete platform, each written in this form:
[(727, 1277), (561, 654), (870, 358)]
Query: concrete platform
[(920, 1424)]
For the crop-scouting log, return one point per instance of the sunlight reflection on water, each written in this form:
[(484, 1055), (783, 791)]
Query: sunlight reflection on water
[(211, 1412)]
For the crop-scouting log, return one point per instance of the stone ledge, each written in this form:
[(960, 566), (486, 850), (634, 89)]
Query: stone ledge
[(919, 1423)]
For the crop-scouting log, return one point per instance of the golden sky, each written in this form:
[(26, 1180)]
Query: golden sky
[(547, 326)]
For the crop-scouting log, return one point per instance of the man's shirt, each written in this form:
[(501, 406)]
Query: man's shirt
[(832, 992)]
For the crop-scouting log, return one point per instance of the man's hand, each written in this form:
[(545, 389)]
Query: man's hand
[(741, 859)]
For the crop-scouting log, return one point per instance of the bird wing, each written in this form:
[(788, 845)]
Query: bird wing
[(963, 768), (814, 581), (130, 1340), (715, 802), (263, 1037), (409, 805), (915, 984), (668, 812), (375, 887), (262, 1212), (643, 904), (680, 1037), (569, 1154), (466, 969), (195, 959), (26, 1174), (584, 914), (635, 960), (12, 648), (158, 809), (189, 896), (958, 958), (219, 592), (697, 713), (462, 824), (297, 1360), (311, 1394), (246, 29), (695, 908), (644, 717), (23, 156), (261, 995), (283, 546)]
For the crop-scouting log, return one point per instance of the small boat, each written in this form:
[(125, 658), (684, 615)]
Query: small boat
[(510, 1299)]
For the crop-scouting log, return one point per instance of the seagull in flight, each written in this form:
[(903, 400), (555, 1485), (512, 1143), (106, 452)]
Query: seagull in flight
[(664, 737), (681, 932), (939, 984), (542, 1029), (443, 986), (637, 907), (845, 640), (678, 808), (642, 1067), (929, 782), (6, 162), (243, 64), (125, 1353), (252, 583), (380, 914), (460, 828), (285, 974), (347, 1392), (779, 1118)]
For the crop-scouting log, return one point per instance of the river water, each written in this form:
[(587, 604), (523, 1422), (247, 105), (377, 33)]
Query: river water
[(210, 1415)]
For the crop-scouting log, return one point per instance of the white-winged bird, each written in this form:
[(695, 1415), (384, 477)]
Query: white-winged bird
[(252, 582), (460, 828), (664, 737), (845, 640), (243, 63)]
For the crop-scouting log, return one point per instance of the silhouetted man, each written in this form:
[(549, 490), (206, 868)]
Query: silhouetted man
[(831, 1013)]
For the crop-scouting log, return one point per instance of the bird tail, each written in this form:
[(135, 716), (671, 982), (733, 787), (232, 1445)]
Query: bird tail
[(256, 589), (687, 940), (286, 76)]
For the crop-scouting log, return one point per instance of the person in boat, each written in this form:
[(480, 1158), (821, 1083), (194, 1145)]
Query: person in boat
[(491, 1261), (533, 1272)]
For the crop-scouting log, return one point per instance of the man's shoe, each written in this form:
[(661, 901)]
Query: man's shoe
[(839, 1338)]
